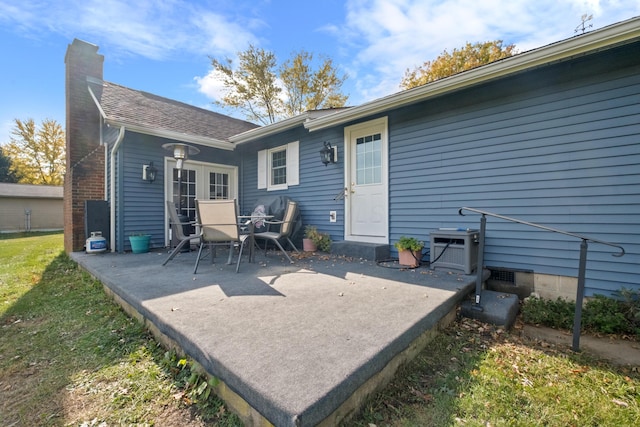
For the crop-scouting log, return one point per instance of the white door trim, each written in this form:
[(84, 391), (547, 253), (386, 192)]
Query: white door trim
[(201, 191), (350, 134)]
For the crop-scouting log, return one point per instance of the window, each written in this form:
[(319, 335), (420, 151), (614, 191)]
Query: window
[(369, 159), (218, 185), (278, 167)]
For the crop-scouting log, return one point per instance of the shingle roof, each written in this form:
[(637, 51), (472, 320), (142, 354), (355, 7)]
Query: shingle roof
[(125, 106)]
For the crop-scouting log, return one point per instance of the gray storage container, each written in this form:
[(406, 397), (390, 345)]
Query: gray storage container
[(460, 249)]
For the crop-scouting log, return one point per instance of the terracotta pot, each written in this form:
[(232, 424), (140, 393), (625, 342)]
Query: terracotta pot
[(408, 258), (308, 245)]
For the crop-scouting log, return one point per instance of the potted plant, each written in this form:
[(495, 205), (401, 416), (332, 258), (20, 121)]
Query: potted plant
[(315, 240), (409, 251), (139, 242), (307, 241)]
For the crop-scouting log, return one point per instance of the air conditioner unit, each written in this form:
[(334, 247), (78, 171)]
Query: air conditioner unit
[(454, 249)]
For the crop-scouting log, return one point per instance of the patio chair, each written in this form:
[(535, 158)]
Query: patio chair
[(218, 220), (286, 226), (178, 231)]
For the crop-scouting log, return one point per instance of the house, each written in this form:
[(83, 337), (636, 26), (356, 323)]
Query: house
[(549, 136), (26, 207)]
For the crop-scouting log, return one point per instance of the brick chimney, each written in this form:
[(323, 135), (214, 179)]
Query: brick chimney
[(84, 179)]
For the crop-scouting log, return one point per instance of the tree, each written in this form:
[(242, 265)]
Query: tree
[(465, 58), (308, 90), (266, 93), (37, 155), (252, 87), (7, 173)]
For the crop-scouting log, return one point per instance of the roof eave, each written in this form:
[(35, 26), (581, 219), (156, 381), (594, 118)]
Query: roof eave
[(271, 129), (163, 133), (612, 35)]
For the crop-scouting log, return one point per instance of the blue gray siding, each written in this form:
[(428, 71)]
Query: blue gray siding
[(141, 205), (559, 147), (319, 184)]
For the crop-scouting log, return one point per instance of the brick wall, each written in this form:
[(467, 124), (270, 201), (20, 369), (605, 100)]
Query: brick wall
[(84, 179)]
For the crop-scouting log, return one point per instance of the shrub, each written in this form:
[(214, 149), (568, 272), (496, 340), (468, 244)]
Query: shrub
[(320, 239), (555, 314), (600, 314), (603, 314)]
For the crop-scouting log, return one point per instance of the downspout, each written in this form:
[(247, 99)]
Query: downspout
[(112, 214)]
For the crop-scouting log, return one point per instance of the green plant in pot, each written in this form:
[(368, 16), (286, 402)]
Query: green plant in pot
[(139, 242), (409, 251), (315, 240)]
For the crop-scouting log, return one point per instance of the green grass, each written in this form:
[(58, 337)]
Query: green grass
[(474, 374), (70, 356)]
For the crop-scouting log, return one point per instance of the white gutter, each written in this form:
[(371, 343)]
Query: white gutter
[(163, 133), (607, 37), (271, 129), (112, 213)]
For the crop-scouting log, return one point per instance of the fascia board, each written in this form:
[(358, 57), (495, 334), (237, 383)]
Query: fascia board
[(271, 129), (207, 142), (95, 100), (162, 133), (607, 37)]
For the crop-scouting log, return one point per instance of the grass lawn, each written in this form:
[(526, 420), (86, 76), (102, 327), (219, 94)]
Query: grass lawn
[(70, 356)]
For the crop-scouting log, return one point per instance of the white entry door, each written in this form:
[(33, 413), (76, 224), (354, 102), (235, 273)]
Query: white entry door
[(366, 182)]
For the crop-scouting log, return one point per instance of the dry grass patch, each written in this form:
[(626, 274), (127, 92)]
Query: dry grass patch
[(70, 356), (475, 374)]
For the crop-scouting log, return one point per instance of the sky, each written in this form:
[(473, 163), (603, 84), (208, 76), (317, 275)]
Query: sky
[(165, 46)]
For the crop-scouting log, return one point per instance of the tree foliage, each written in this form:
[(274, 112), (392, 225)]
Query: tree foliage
[(307, 89), (447, 64), (266, 93), (37, 154), (7, 174)]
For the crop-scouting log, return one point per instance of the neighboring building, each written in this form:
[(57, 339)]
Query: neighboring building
[(550, 136), (26, 207)]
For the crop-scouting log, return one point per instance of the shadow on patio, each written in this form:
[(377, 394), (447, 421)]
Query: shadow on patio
[(295, 344)]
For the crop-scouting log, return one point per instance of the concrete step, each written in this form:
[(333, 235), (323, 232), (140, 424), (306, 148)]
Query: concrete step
[(368, 251)]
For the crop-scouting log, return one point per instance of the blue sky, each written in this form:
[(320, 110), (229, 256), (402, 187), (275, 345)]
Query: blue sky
[(163, 46)]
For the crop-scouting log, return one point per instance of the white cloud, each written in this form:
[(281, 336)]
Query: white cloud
[(394, 35), (156, 29), (211, 85)]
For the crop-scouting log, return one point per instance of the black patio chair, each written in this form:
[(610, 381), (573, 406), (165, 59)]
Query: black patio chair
[(178, 230)]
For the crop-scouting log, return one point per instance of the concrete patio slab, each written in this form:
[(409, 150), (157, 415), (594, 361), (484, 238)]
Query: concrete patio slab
[(290, 343)]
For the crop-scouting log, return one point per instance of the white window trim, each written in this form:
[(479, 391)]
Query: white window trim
[(264, 167)]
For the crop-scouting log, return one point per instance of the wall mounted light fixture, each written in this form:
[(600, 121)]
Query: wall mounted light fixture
[(328, 154), (149, 172)]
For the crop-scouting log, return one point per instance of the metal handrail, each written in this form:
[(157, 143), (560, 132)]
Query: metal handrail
[(581, 267), (544, 227)]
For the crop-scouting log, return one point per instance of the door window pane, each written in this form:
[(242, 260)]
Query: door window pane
[(369, 159), (185, 193), (218, 185)]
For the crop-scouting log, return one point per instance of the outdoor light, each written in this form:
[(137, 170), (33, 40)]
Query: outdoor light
[(149, 172), (328, 154), (181, 152)]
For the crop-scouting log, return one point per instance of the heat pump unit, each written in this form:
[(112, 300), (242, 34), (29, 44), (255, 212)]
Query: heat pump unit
[(454, 249)]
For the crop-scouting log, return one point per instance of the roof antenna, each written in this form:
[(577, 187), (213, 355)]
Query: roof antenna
[(582, 27)]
